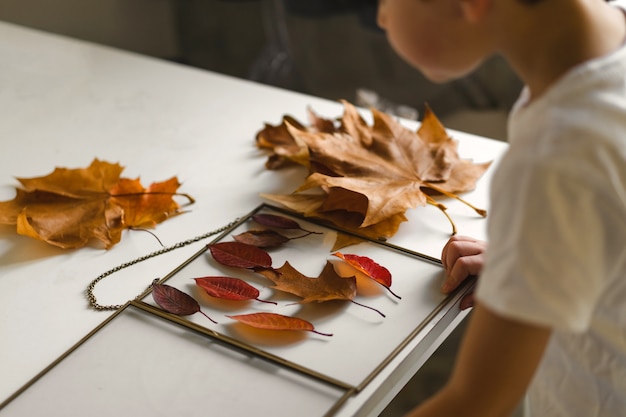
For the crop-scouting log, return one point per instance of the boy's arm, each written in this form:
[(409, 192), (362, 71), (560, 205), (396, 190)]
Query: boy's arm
[(495, 364)]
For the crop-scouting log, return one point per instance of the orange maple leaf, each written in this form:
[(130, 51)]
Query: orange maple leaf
[(69, 207), (364, 178)]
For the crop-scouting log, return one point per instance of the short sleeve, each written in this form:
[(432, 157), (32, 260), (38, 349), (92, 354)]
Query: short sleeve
[(547, 243)]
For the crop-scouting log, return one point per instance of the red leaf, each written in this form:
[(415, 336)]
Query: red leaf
[(370, 268), (175, 301), (279, 222), (272, 220), (273, 321), (229, 288), (240, 255), (262, 238)]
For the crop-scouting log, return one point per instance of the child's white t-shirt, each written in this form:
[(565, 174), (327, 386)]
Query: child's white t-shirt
[(557, 237)]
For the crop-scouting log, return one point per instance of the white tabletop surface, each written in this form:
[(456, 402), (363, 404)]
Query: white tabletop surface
[(65, 102)]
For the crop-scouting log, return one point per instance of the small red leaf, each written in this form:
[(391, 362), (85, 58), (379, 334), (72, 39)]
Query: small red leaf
[(273, 321), (229, 288), (262, 238), (240, 255), (272, 220), (175, 301), (370, 268), (278, 222)]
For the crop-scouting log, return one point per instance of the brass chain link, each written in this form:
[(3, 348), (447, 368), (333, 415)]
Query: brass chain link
[(91, 297)]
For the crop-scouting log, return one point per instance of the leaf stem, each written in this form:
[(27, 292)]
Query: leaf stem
[(311, 232), (371, 308), (393, 293), (320, 333), (190, 199), (207, 316), (308, 232), (266, 301), (149, 232), (443, 209), (433, 187)]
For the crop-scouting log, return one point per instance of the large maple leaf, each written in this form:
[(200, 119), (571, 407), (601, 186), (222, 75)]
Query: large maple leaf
[(69, 207), (364, 178)]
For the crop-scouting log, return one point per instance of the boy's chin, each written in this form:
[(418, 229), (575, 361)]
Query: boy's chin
[(444, 75), (441, 77)]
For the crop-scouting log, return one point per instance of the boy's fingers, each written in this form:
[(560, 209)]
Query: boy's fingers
[(462, 268), (457, 249), (453, 241)]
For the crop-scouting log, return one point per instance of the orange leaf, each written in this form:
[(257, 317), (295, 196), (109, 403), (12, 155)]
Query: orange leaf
[(69, 207), (273, 321), (145, 207), (370, 268)]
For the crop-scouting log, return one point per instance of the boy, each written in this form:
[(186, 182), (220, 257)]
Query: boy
[(550, 311)]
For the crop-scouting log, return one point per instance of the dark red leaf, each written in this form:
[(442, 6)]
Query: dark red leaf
[(279, 222), (273, 321), (175, 301), (240, 255), (262, 238), (272, 220), (229, 288)]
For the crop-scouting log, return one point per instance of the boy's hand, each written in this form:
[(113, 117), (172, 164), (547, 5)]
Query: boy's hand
[(462, 257)]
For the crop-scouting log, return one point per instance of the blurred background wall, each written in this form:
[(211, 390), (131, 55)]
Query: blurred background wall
[(327, 48)]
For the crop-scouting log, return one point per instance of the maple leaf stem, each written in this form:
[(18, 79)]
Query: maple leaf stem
[(149, 232), (443, 209), (207, 316), (371, 308), (481, 212), (190, 199)]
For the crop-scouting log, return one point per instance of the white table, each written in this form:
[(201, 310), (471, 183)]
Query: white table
[(64, 102)]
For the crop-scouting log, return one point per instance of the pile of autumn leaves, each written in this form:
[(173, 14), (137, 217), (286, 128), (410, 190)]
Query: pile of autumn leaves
[(363, 177)]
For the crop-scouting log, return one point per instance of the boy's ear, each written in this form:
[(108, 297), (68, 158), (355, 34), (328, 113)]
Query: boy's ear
[(474, 10)]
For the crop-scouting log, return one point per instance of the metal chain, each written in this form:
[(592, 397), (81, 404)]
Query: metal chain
[(93, 301)]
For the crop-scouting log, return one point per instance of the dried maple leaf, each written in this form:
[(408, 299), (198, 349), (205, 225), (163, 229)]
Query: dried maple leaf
[(327, 286), (145, 207), (273, 321), (371, 175), (69, 207)]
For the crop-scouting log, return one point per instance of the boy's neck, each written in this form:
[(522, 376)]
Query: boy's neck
[(553, 36)]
